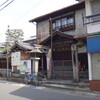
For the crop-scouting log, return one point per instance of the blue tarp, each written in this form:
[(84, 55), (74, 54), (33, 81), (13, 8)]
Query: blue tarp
[(93, 44)]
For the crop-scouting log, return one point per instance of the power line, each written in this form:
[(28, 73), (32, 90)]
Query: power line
[(26, 13), (6, 5)]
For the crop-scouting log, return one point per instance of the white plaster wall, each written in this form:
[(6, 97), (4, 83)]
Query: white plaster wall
[(95, 63), (93, 28)]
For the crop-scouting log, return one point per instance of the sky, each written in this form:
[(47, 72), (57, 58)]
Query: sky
[(19, 12)]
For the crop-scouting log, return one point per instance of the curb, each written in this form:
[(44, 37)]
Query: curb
[(66, 87), (84, 91)]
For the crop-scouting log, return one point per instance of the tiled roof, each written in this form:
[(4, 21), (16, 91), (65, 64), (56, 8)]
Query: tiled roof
[(23, 46)]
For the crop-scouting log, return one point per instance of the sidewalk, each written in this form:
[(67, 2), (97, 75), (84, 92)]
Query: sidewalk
[(65, 84), (81, 87)]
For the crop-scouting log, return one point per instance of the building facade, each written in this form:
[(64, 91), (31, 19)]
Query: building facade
[(63, 32)]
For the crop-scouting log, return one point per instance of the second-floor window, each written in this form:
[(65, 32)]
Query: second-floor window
[(63, 24)]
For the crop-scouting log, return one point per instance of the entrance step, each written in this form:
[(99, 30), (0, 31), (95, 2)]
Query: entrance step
[(66, 83), (73, 88)]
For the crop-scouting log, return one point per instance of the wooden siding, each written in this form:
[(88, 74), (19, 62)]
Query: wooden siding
[(25, 55)]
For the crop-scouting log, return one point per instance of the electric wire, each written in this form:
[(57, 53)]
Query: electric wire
[(28, 11), (6, 5)]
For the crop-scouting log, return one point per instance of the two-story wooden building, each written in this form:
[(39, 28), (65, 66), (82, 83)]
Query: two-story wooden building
[(63, 32)]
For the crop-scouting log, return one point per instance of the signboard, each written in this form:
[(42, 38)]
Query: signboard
[(15, 58), (93, 44), (25, 66)]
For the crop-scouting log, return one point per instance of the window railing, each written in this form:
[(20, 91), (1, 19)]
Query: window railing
[(91, 19)]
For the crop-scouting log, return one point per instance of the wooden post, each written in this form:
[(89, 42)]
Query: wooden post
[(42, 64), (49, 69), (75, 63)]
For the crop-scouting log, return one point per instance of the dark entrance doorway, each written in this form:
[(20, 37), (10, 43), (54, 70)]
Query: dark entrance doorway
[(42, 66), (83, 65)]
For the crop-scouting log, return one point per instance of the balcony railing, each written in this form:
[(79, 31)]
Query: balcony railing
[(91, 19)]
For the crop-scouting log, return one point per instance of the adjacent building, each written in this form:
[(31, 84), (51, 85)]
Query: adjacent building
[(20, 57), (25, 57), (3, 60), (92, 21)]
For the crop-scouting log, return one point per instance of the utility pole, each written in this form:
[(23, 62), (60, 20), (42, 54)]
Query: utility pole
[(8, 55), (75, 63), (51, 33)]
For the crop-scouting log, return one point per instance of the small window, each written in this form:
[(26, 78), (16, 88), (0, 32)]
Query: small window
[(54, 26), (70, 21), (58, 23), (64, 22)]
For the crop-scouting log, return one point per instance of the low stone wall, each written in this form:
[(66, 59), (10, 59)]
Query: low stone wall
[(3, 72), (17, 75)]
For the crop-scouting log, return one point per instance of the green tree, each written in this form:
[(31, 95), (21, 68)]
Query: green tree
[(14, 35)]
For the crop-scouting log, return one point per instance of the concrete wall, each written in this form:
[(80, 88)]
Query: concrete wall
[(95, 4), (95, 64), (82, 49), (80, 29), (93, 7)]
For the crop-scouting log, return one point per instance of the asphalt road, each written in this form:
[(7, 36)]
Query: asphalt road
[(16, 91)]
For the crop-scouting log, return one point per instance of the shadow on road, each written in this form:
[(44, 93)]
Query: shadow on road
[(41, 94)]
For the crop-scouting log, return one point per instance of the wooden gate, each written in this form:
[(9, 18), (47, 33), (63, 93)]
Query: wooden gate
[(62, 69)]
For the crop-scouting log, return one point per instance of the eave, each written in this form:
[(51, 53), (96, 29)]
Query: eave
[(64, 10), (54, 34)]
